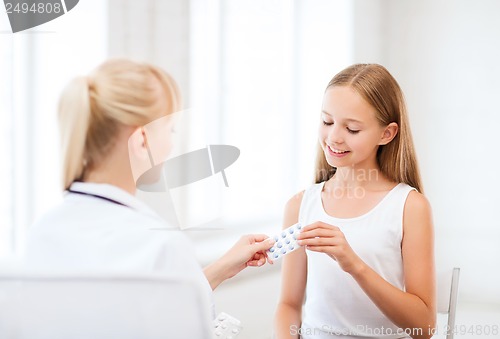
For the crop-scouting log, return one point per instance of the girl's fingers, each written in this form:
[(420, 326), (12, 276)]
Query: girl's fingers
[(318, 242), (319, 225), (323, 249), (319, 232)]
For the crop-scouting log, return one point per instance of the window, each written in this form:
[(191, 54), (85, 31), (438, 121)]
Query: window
[(35, 66), (258, 72), (6, 144)]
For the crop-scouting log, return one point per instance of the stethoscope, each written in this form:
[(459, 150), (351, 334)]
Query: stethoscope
[(98, 197)]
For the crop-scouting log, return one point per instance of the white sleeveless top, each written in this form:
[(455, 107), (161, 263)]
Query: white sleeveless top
[(336, 306)]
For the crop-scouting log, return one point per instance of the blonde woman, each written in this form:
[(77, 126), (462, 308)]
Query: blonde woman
[(367, 266), (100, 225)]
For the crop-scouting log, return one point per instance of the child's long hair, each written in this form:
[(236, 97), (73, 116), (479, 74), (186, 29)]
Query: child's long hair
[(91, 110), (397, 159)]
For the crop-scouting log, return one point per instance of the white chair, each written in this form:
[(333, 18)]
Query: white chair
[(447, 291), (96, 306)]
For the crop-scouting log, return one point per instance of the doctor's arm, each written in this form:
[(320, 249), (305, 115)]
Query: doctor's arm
[(249, 250)]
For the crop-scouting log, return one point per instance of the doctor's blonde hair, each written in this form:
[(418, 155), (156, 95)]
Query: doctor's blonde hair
[(397, 160), (91, 110)]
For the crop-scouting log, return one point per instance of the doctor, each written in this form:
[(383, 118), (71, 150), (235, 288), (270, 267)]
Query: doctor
[(100, 225)]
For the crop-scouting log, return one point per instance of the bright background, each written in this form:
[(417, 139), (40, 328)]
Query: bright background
[(253, 73)]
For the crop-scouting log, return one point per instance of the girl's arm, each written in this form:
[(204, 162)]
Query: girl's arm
[(413, 309), (293, 281)]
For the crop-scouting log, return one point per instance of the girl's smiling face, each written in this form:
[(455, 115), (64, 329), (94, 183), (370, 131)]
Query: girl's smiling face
[(349, 131)]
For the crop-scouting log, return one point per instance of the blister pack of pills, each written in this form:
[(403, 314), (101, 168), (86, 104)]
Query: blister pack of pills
[(286, 242), (226, 326)]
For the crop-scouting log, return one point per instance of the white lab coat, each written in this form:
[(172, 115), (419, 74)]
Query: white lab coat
[(87, 233)]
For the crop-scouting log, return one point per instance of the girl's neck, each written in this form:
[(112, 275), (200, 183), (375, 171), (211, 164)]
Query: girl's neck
[(347, 178), (354, 177)]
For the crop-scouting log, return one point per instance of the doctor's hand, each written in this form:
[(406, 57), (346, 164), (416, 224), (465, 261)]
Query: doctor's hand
[(329, 239), (249, 250)]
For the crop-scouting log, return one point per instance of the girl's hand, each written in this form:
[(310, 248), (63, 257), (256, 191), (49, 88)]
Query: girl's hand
[(329, 239)]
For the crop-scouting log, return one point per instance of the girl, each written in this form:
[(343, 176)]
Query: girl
[(100, 225), (367, 266)]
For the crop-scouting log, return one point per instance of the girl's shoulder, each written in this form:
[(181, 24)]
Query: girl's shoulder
[(410, 196), (296, 199), (292, 207), (416, 202), (293, 204), (417, 220), (413, 198)]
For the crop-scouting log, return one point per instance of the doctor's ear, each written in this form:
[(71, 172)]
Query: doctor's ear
[(137, 145), (138, 154), (389, 133)]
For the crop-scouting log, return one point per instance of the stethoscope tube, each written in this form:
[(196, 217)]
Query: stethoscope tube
[(98, 197)]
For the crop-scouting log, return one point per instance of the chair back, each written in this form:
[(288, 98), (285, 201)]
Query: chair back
[(447, 293), (126, 306)]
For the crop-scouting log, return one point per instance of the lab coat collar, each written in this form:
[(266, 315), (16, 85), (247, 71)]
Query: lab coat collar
[(114, 193)]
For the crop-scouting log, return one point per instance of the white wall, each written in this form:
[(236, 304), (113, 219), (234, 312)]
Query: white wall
[(445, 55)]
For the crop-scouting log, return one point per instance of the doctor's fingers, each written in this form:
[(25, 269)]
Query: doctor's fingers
[(258, 259), (255, 238), (263, 245)]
